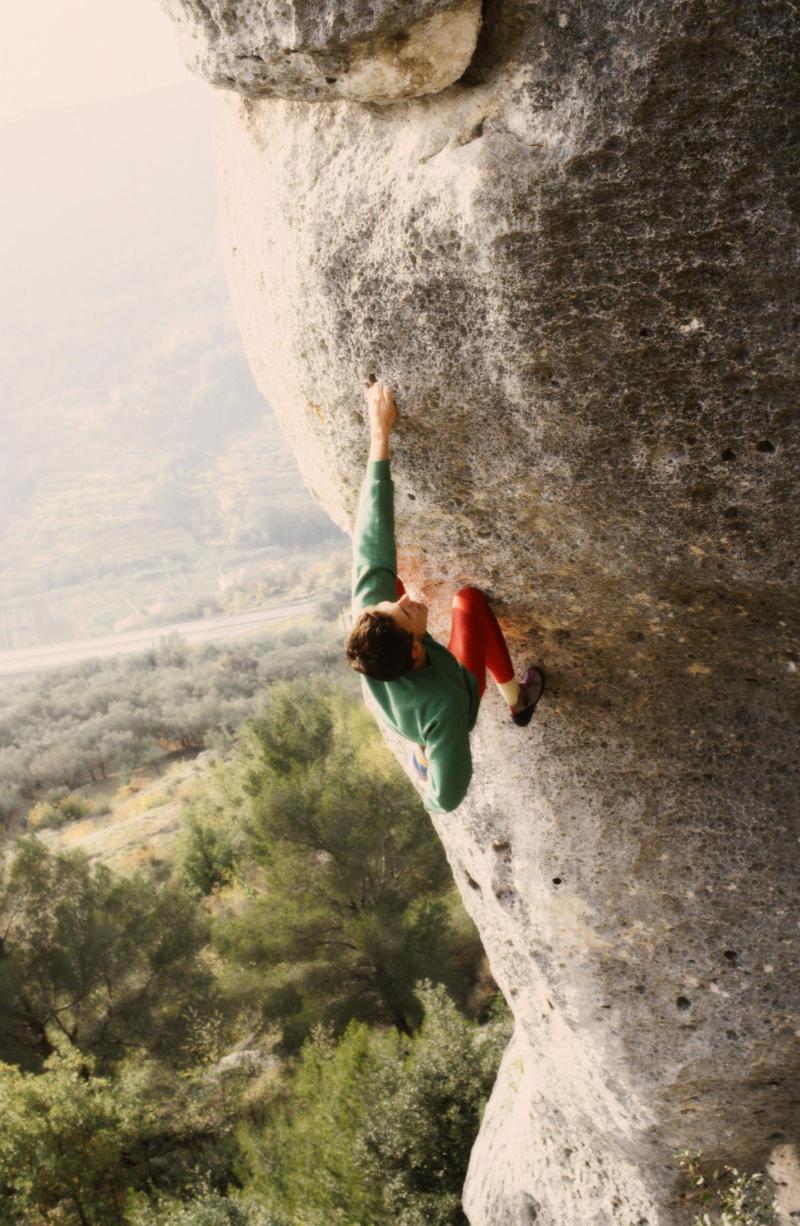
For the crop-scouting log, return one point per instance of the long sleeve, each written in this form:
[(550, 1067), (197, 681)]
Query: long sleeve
[(431, 706), (449, 764), (374, 552)]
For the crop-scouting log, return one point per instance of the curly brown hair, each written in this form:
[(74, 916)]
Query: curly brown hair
[(378, 648)]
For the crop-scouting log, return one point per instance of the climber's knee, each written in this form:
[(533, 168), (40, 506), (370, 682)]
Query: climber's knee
[(469, 598)]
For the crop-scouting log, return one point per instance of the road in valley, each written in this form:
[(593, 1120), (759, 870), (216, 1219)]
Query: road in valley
[(204, 630)]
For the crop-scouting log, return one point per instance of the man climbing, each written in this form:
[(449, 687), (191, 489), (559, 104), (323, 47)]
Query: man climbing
[(427, 693)]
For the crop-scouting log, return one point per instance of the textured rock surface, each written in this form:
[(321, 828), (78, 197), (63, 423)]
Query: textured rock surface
[(578, 267), (373, 51)]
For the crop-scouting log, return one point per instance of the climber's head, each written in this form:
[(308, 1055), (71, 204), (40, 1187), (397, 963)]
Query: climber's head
[(386, 640)]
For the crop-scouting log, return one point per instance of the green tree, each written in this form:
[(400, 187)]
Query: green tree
[(309, 1163), (77, 1146), (207, 1207), (206, 856), (350, 908), (70, 1145), (212, 840), (426, 1112), (377, 1128), (104, 962)]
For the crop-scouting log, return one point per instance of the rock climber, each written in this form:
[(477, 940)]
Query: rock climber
[(427, 693)]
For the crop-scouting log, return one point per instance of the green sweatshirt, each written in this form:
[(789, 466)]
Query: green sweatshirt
[(435, 706)]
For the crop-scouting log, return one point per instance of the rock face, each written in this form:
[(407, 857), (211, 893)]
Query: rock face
[(577, 265)]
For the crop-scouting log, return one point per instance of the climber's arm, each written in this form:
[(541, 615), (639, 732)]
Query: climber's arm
[(449, 764), (374, 553)]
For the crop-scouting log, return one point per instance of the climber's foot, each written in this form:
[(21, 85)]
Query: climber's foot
[(531, 688)]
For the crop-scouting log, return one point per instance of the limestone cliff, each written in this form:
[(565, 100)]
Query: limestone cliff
[(572, 248)]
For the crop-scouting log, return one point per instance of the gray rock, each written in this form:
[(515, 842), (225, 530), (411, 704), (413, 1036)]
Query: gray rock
[(578, 268), (246, 1060), (373, 51)]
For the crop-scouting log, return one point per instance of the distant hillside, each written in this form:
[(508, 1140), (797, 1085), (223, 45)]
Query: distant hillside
[(139, 461)]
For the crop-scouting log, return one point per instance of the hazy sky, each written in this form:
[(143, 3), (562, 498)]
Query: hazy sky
[(62, 52)]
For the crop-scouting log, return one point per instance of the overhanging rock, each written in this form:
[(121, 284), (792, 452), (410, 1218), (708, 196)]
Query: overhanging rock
[(577, 265), (371, 52)]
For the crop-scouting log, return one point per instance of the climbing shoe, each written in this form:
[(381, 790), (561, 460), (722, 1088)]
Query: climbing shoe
[(531, 688)]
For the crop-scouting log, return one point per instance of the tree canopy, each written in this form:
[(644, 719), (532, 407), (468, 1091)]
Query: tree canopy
[(102, 962), (350, 904), (378, 1127)]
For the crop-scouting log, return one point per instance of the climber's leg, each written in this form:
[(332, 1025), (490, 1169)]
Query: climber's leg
[(477, 642)]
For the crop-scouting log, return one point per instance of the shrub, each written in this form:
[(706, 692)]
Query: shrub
[(206, 854), (376, 1128), (736, 1198), (70, 1142), (54, 813), (208, 1207), (427, 1112)]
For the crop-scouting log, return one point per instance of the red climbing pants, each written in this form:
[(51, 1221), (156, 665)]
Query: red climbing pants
[(476, 639)]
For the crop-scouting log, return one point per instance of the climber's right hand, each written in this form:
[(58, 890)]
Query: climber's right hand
[(382, 409)]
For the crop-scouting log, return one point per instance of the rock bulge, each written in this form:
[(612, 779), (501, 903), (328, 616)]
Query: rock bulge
[(367, 51)]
